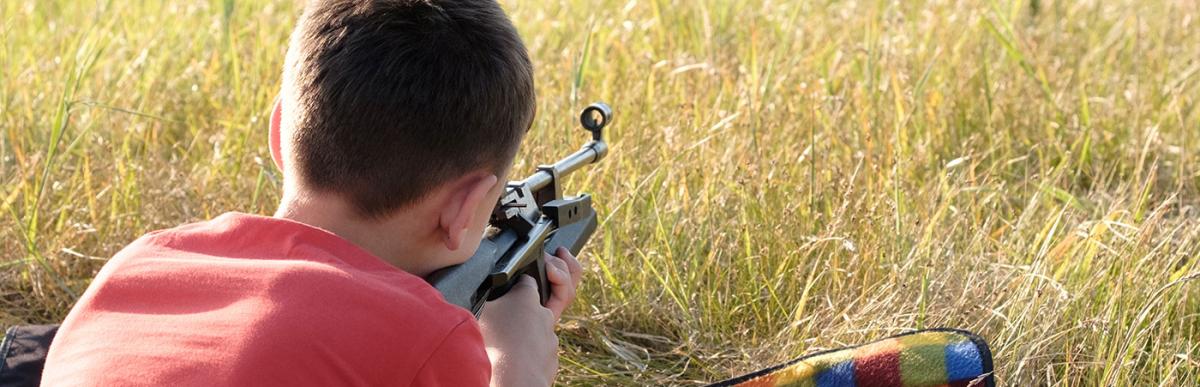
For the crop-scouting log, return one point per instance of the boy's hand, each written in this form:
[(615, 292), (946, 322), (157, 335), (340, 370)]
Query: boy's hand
[(564, 273), (519, 335), (519, 332)]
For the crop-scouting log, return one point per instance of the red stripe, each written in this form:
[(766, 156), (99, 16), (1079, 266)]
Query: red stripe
[(880, 369)]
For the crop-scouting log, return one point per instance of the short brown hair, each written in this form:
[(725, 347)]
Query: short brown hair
[(390, 98)]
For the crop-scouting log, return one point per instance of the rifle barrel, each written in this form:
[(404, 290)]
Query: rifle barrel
[(591, 153)]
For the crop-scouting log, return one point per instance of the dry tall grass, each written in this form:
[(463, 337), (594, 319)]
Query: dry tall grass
[(785, 176)]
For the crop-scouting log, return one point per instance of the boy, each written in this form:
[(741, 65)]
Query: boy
[(397, 123)]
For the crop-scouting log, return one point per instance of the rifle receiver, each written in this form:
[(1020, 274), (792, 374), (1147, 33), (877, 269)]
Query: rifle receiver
[(532, 218)]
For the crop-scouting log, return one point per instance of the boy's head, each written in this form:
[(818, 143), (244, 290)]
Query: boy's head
[(385, 102)]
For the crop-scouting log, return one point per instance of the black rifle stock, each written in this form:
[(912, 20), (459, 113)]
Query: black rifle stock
[(532, 217)]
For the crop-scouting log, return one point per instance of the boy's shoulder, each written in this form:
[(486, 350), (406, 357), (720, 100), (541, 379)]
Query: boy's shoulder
[(242, 293), (294, 264)]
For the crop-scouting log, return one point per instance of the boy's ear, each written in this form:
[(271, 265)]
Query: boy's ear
[(465, 198), (274, 135)]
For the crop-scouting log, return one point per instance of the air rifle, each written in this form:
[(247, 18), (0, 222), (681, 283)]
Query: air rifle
[(532, 218)]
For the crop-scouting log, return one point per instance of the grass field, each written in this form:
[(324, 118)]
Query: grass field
[(785, 176)]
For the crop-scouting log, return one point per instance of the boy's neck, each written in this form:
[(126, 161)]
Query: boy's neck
[(393, 240)]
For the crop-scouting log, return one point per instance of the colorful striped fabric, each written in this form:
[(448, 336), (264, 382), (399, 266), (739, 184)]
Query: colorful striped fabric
[(926, 358)]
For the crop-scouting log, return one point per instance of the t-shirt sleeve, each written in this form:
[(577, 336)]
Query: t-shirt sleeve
[(459, 361)]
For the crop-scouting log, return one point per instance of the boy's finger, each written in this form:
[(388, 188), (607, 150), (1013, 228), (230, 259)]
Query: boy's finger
[(556, 275), (527, 281), (562, 294), (559, 300), (525, 287), (573, 266), (556, 263)]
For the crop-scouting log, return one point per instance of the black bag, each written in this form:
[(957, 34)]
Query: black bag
[(23, 354)]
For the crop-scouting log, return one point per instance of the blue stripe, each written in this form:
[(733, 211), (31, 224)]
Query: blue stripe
[(840, 375), (963, 361)]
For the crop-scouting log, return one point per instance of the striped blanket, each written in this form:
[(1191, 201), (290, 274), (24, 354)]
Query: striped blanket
[(926, 358)]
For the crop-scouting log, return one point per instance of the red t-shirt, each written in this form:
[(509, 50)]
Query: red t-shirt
[(246, 300)]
